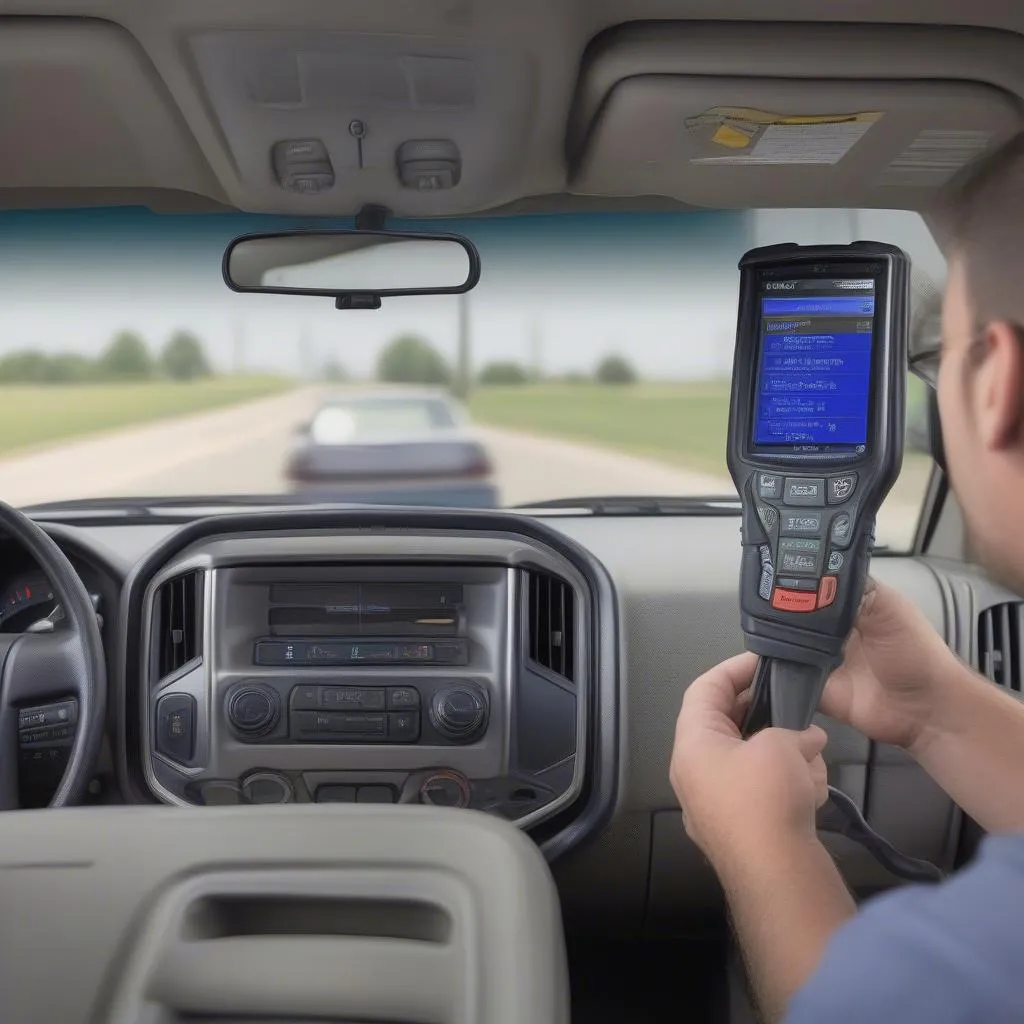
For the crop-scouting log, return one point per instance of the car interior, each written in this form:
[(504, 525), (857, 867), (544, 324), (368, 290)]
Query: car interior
[(297, 762)]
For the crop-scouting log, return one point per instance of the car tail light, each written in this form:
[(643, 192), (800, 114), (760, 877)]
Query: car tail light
[(479, 464)]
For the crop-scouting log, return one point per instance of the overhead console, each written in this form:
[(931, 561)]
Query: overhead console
[(439, 659), (320, 121), (716, 115)]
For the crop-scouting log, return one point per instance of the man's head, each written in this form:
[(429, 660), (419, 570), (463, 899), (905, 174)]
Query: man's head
[(981, 373)]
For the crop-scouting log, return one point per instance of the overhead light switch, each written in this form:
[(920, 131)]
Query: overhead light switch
[(303, 165), (429, 165)]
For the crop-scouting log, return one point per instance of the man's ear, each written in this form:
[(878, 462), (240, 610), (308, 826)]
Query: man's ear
[(1000, 386)]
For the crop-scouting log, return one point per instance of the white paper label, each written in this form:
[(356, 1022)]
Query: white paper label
[(935, 156), (799, 144)]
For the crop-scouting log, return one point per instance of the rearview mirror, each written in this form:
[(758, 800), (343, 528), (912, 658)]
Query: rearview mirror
[(357, 268)]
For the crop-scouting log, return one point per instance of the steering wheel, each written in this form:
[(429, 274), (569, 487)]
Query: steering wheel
[(65, 663)]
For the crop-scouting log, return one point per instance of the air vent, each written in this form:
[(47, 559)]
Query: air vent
[(552, 623), (177, 623), (1000, 644)]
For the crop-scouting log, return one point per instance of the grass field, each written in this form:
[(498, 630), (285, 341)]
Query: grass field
[(682, 423), (32, 415), (679, 423)]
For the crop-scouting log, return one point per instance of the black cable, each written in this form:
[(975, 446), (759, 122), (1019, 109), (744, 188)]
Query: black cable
[(841, 816), (785, 694)]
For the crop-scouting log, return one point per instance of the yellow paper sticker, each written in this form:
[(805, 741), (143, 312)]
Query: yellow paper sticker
[(747, 135)]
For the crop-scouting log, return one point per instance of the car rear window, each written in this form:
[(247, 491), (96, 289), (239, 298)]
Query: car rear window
[(347, 422)]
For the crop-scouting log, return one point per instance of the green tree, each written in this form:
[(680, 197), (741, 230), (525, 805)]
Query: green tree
[(503, 373), (183, 357), (70, 368), (25, 367), (573, 377), (409, 359), (615, 370), (125, 358)]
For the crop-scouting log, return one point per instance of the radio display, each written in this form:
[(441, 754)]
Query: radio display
[(814, 369)]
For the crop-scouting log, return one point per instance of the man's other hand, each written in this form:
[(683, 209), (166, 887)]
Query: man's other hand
[(741, 798), (897, 672)]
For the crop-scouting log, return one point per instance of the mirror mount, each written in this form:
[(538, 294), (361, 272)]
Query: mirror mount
[(372, 217), (358, 300)]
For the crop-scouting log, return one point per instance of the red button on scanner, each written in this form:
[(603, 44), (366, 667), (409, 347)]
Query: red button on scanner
[(794, 600), (827, 591)]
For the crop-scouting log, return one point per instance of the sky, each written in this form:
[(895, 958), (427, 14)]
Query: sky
[(560, 291)]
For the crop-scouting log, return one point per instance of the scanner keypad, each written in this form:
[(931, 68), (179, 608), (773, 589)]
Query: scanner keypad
[(808, 530)]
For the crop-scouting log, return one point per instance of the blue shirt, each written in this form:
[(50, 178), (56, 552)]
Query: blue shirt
[(951, 953)]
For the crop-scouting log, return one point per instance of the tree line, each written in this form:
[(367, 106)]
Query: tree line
[(126, 358), (410, 359)]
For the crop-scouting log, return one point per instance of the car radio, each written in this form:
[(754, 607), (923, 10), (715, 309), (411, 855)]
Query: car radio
[(275, 710)]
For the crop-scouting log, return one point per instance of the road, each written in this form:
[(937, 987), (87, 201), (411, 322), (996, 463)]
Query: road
[(241, 450)]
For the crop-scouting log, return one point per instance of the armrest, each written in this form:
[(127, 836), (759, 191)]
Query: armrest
[(333, 913)]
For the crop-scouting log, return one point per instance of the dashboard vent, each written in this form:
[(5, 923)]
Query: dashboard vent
[(178, 622), (551, 610), (1000, 644)]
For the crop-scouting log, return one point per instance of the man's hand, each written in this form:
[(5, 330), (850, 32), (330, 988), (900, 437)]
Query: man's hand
[(897, 672), (739, 796)]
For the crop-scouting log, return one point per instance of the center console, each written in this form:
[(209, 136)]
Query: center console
[(447, 668)]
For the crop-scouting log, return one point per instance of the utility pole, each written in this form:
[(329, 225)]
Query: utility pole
[(464, 367), (306, 353), (536, 349), (238, 348)]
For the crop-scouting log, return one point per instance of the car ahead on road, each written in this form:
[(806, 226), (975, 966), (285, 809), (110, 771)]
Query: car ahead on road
[(392, 448)]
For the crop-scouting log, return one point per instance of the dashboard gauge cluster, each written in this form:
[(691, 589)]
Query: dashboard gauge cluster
[(26, 600)]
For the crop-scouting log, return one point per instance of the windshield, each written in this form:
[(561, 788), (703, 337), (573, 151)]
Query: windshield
[(593, 359)]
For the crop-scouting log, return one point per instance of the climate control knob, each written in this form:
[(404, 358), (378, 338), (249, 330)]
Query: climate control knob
[(459, 712), (253, 710)]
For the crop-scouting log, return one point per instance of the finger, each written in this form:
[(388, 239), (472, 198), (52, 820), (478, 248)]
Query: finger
[(812, 741), (718, 688), (819, 778), (742, 706)]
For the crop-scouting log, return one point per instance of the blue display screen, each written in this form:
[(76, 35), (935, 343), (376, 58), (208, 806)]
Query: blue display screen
[(814, 372)]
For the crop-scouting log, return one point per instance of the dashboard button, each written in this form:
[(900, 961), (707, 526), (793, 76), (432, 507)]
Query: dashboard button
[(403, 726), (176, 726), (356, 726), (402, 697), (794, 600), (445, 788), (458, 712), (305, 698), (375, 795), (803, 490), (352, 698), (333, 794), (253, 710), (266, 788)]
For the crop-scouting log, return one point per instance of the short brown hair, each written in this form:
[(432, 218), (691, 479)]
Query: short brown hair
[(989, 235)]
